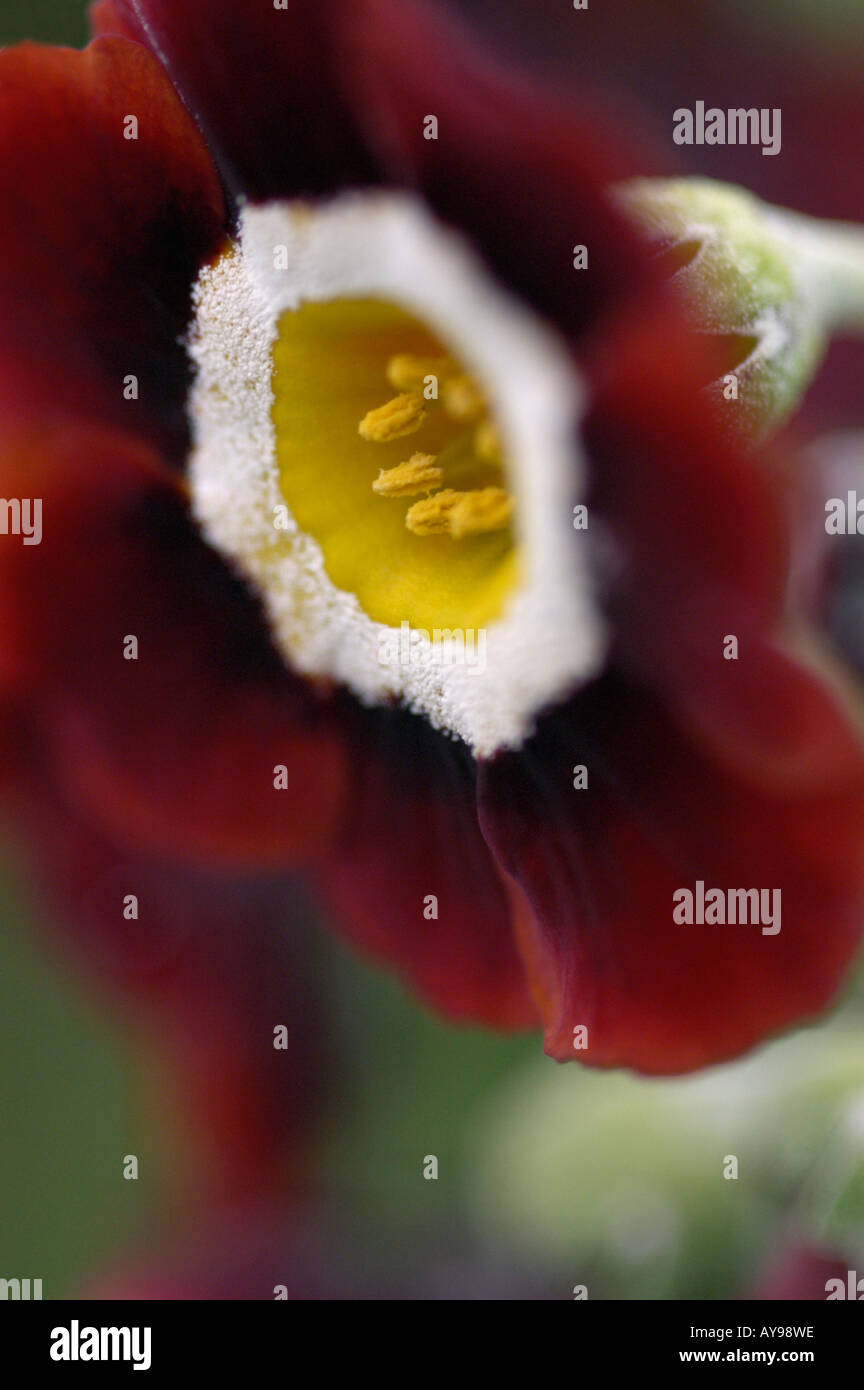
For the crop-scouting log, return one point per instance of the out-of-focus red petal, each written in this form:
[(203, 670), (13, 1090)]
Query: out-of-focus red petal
[(111, 18), (102, 237), (411, 833), (598, 867), (322, 94), (175, 751), (208, 968), (700, 535), (266, 86), (694, 512)]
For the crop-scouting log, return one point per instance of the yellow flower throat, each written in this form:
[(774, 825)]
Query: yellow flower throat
[(448, 559)]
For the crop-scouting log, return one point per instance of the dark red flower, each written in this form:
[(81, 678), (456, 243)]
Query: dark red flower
[(739, 773), (218, 983)]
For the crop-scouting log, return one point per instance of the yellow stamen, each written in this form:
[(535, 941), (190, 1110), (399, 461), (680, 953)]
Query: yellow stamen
[(419, 474), (462, 400), (406, 372), (487, 442), (403, 415), (461, 514), (484, 509), (432, 515), (474, 512)]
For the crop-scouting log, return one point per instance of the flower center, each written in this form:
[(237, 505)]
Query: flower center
[(386, 446), (406, 496)]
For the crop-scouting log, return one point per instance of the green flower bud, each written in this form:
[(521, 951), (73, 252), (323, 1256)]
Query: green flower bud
[(772, 284)]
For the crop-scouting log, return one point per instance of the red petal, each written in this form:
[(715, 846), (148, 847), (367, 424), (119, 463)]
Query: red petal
[(176, 750), (110, 17), (694, 511), (101, 235), (210, 967), (700, 528), (412, 833), (264, 84), (316, 96), (598, 867)]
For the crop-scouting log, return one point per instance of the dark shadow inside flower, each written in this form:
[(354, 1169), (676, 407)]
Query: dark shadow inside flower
[(726, 352), (670, 259)]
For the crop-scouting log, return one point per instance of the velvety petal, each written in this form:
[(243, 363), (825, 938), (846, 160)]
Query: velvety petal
[(175, 750), (410, 846), (102, 237), (321, 94), (597, 867), (265, 86), (110, 17), (671, 53), (695, 513), (699, 524), (209, 967)]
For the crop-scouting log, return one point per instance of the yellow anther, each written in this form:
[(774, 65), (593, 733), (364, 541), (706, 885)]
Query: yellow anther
[(403, 415), (405, 372), (462, 401), (419, 474), (484, 509), (461, 514), (487, 442), (432, 515)]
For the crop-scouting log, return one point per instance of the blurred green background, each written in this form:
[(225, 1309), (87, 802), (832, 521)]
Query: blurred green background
[(52, 21), (550, 1176)]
